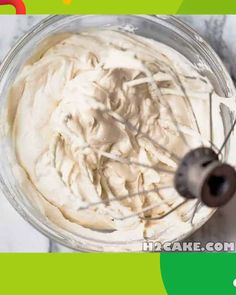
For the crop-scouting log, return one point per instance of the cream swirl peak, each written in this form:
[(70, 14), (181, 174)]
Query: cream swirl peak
[(106, 114)]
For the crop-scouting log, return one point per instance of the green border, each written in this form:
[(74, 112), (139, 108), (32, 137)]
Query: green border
[(127, 6), (104, 6), (81, 273), (199, 273)]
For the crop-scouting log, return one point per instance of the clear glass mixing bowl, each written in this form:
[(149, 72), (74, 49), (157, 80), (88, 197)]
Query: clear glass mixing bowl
[(165, 29)]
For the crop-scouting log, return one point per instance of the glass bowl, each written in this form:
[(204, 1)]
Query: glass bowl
[(165, 29)]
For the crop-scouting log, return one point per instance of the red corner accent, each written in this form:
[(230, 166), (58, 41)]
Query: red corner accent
[(18, 4)]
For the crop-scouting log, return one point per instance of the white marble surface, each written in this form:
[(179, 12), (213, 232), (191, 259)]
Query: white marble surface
[(16, 235)]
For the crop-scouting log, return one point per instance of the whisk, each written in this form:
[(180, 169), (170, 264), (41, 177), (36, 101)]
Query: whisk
[(201, 174)]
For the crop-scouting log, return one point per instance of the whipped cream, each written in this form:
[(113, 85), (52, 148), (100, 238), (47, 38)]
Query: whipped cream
[(105, 114)]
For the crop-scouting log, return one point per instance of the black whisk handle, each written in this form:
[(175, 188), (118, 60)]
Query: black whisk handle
[(201, 175)]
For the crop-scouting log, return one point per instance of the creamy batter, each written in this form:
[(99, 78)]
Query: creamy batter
[(106, 114)]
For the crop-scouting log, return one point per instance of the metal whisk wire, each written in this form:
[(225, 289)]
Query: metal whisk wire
[(118, 118)]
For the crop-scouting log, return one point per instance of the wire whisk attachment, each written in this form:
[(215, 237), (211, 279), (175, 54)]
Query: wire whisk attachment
[(201, 175)]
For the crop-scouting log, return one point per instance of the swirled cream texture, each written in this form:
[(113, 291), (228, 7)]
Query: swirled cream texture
[(101, 120)]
